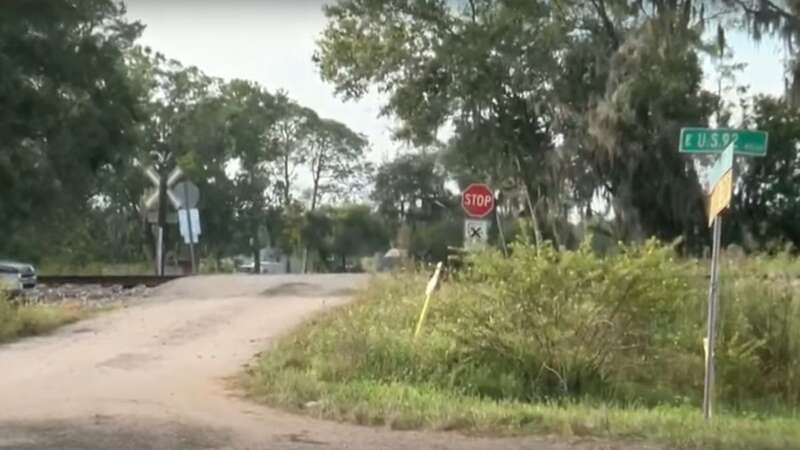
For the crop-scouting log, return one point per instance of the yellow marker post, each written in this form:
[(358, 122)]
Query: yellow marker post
[(432, 284)]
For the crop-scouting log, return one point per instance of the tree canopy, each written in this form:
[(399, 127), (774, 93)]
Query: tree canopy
[(571, 110)]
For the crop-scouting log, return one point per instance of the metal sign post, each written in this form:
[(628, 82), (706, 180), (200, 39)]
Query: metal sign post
[(162, 183), (721, 192), (713, 308), (191, 232), (729, 143), (183, 197), (160, 251)]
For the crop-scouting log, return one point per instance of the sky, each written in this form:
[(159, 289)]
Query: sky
[(272, 42), (268, 41)]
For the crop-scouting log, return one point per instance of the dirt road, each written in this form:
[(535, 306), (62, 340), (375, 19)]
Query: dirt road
[(153, 376)]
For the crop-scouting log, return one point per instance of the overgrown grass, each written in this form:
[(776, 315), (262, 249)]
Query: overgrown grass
[(18, 321), (56, 268), (568, 343)]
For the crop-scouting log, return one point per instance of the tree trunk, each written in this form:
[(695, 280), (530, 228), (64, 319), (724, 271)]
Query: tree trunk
[(537, 233), (286, 182), (256, 256), (314, 195)]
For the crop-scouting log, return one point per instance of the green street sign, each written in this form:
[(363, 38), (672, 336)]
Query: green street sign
[(714, 140)]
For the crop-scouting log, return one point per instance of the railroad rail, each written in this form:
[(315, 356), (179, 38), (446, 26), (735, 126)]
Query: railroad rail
[(126, 281)]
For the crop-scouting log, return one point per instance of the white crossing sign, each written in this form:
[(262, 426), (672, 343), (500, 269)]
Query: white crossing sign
[(187, 228), (476, 233), (152, 200)]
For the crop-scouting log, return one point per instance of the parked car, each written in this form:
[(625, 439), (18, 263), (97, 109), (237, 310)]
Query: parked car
[(16, 276)]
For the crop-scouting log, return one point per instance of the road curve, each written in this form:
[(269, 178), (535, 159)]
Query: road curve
[(153, 376)]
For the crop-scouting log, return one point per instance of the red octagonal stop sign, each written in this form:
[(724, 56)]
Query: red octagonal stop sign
[(477, 200)]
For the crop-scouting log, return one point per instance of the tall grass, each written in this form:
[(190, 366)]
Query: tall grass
[(546, 333), (30, 320)]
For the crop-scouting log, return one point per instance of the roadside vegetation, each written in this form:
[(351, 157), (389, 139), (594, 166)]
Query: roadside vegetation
[(18, 321), (557, 342)]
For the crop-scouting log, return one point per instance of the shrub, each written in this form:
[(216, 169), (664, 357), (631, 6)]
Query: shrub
[(548, 325), (569, 323)]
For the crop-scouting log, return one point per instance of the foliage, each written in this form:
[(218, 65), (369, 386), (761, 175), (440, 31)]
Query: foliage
[(544, 330), (20, 321), (766, 206), (562, 102), (357, 231), (564, 107), (779, 18), (402, 406), (69, 109), (410, 189)]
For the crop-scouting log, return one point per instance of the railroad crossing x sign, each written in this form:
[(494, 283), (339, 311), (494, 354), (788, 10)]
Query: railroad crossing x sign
[(476, 233), (152, 201)]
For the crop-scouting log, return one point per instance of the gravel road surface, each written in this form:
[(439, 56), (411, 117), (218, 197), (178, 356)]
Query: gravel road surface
[(155, 376)]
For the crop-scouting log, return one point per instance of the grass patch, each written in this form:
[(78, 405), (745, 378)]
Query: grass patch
[(401, 406), (17, 321), (564, 343), (93, 268)]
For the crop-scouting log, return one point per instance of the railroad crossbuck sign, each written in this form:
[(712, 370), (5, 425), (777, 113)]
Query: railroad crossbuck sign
[(152, 200)]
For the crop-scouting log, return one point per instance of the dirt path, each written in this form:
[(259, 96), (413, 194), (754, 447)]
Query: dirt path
[(152, 376)]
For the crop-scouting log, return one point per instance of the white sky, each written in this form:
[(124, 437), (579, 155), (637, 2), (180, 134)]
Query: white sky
[(272, 41)]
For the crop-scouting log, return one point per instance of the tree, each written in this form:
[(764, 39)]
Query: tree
[(292, 130), (356, 232), (775, 17), (487, 67), (562, 101), (207, 155), (251, 116), (652, 89), (68, 109), (335, 160), (767, 203), (410, 190)]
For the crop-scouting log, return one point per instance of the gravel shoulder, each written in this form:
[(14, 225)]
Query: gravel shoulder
[(155, 376)]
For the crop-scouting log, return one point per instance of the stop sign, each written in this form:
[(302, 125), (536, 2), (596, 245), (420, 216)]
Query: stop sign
[(477, 200)]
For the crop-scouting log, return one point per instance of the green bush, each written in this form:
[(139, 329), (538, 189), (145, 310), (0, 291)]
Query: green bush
[(547, 323), (760, 330), (559, 326)]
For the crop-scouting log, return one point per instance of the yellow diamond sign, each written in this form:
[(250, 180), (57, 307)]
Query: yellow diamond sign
[(720, 197)]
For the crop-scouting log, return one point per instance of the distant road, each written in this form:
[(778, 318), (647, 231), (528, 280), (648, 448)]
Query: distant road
[(154, 376)]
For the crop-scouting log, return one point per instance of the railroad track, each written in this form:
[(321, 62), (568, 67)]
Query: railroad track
[(126, 281)]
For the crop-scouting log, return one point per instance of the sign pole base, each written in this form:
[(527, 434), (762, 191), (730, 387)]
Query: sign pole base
[(710, 341)]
